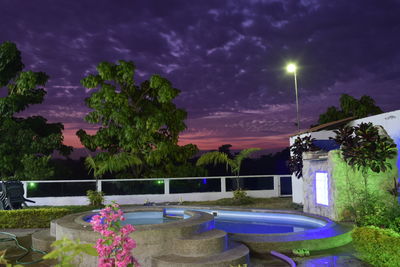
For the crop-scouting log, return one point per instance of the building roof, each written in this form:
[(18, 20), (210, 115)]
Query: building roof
[(326, 145), (327, 126)]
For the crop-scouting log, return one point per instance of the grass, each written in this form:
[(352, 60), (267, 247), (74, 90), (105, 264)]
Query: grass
[(275, 203)]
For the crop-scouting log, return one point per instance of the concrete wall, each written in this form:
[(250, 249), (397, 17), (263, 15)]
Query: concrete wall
[(345, 184), (297, 183), (313, 162), (390, 121)]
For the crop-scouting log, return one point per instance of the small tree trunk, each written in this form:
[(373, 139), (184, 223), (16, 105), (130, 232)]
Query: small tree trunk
[(365, 177), (237, 183)]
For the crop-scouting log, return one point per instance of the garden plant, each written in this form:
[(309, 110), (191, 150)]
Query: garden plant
[(216, 157), (115, 246)]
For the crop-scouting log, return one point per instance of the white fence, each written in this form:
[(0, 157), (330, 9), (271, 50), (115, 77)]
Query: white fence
[(138, 191)]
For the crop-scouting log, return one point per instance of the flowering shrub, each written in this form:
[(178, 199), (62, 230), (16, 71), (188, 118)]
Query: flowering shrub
[(115, 245)]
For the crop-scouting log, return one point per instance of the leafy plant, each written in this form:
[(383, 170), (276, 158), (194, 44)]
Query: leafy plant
[(96, 198), (374, 212), (363, 148), (216, 157), (115, 245), (69, 252), (377, 246), (300, 146), (301, 252), (240, 197)]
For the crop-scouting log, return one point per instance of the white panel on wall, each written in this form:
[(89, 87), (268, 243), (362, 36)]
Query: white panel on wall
[(321, 188)]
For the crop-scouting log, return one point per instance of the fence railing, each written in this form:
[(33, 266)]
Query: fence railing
[(138, 191)]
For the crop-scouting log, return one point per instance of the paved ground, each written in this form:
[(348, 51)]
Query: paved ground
[(338, 257)]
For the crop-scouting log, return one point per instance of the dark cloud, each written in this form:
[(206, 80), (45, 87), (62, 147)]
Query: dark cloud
[(227, 57)]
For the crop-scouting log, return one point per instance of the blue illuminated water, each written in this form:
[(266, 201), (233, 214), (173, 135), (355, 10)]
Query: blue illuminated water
[(258, 222), (145, 217), (232, 221), (243, 227)]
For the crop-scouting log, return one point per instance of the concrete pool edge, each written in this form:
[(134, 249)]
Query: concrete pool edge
[(328, 222), (162, 237), (156, 242), (329, 236)]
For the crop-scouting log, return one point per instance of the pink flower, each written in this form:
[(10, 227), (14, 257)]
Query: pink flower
[(115, 246)]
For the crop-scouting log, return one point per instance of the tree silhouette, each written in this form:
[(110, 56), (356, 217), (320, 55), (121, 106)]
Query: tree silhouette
[(350, 107)]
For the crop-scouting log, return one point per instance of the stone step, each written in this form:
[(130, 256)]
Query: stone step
[(203, 244), (41, 240), (235, 255)]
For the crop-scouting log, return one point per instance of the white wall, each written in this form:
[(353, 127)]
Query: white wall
[(390, 121)]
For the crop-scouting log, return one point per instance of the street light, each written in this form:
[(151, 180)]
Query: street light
[(291, 68)]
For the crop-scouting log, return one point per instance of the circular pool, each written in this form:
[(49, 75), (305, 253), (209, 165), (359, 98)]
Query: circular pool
[(144, 218), (179, 233), (253, 222)]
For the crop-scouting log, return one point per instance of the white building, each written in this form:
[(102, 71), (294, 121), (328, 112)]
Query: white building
[(390, 121)]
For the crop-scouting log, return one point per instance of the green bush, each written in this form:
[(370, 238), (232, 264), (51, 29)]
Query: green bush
[(377, 213), (380, 247), (240, 197), (96, 198), (30, 218), (395, 224)]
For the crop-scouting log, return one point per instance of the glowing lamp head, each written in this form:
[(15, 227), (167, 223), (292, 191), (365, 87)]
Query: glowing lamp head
[(291, 68)]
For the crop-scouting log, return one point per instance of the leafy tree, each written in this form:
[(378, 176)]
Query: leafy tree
[(349, 107), (139, 124), (25, 143), (363, 148), (216, 157)]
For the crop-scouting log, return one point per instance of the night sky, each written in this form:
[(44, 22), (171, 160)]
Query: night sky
[(227, 57)]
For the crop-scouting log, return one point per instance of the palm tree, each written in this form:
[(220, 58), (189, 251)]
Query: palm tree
[(216, 157)]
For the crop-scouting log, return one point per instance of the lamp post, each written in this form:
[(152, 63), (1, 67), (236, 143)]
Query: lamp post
[(291, 68)]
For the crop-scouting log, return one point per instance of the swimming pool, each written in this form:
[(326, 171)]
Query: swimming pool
[(250, 222), (144, 217), (234, 222), (190, 237)]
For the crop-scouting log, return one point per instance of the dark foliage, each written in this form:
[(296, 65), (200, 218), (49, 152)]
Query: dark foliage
[(362, 147), (300, 146), (273, 163), (350, 107)]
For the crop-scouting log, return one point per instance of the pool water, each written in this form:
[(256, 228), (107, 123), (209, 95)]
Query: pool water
[(245, 222), (243, 227), (145, 217)]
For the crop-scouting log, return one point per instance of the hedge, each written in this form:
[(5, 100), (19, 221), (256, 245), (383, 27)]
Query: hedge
[(30, 218), (380, 247)]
